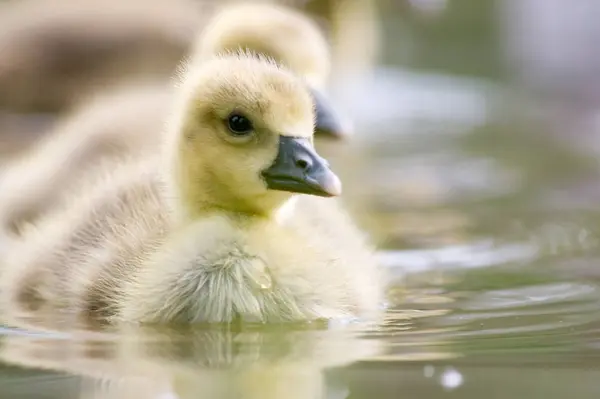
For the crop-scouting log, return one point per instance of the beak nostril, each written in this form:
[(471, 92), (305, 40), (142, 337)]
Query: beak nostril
[(303, 164)]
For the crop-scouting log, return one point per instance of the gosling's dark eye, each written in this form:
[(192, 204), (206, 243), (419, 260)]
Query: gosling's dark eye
[(239, 125)]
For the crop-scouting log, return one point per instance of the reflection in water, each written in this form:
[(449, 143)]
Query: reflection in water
[(212, 363)]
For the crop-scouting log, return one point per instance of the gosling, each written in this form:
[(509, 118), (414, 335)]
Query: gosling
[(232, 223)]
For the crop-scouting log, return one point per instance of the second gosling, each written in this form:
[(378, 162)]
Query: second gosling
[(217, 229)]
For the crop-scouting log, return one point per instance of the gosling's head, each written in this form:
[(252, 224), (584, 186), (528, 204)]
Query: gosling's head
[(288, 37), (243, 137)]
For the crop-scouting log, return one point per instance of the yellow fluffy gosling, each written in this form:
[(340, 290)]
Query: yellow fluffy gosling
[(216, 231)]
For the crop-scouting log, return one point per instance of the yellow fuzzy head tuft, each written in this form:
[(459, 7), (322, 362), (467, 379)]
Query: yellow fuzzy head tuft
[(289, 37)]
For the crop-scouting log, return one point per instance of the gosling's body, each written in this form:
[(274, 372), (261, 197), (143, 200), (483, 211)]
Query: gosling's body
[(256, 270), (196, 236), (223, 267)]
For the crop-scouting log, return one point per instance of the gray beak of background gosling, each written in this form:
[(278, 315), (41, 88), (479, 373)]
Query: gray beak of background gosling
[(329, 122), (299, 169)]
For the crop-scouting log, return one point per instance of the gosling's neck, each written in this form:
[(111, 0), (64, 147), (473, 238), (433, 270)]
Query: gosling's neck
[(189, 205), (186, 213)]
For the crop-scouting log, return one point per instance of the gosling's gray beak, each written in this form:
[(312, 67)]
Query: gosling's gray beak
[(299, 169), (329, 122)]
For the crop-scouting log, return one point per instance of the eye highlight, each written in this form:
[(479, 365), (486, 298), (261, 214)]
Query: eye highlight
[(239, 125)]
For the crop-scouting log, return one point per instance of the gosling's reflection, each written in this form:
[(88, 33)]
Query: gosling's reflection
[(214, 362)]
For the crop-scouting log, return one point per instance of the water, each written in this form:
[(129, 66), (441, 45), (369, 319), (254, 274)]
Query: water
[(495, 291), (485, 203)]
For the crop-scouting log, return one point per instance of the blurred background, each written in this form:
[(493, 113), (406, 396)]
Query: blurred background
[(474, 165)]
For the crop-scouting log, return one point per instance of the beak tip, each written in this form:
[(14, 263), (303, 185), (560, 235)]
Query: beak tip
[(334, 187)]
